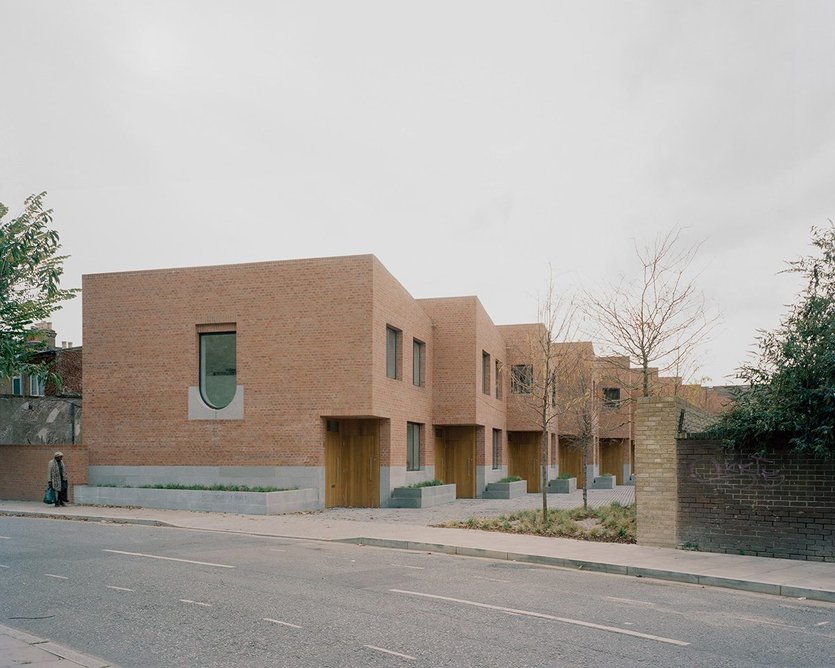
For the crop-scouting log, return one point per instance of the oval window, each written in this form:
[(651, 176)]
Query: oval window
[(218, 369)]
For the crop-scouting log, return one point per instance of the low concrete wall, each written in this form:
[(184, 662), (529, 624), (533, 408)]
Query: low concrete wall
[(603, 482), (506, 490), (421, 497), (246, 503)]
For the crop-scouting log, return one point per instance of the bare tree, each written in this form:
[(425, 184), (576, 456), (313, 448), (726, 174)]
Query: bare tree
[(538, 377), (577, 403), (659, 319)]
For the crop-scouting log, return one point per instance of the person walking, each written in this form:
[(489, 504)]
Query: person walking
[(58, 478)]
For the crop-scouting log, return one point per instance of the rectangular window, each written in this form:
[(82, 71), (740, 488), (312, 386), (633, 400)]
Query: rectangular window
[(553, 449), (17, 386), (412, 446), (498, 379), (393, 353), (37, 385), (418, 362), (497, 448), (611, 397), (521, 379), (485, 372)]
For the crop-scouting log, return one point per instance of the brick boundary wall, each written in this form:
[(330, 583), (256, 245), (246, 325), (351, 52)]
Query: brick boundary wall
[(657, 423), (23, 469), (777, 504)]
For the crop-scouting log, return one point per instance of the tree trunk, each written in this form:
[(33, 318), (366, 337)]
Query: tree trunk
[(543, 474), (586, 474)]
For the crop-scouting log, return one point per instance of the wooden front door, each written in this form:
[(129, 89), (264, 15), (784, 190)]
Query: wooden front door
[(352, 464), (571, 460), (523, 457), (611, 459), (456, 460)]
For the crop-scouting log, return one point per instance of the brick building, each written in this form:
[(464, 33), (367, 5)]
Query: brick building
[(321, 373)]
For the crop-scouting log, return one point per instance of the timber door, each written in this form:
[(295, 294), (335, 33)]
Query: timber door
[(456, 460), (571, 460), (523, 457), (611, 459), (352, 464)]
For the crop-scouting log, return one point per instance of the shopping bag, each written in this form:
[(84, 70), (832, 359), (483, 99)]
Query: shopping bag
[(49, 495)]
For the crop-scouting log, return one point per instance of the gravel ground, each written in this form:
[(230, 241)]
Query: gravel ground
[(461, 509)]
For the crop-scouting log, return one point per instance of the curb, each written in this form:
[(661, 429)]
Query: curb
[(603, 567), (87, 518), (60, 651)]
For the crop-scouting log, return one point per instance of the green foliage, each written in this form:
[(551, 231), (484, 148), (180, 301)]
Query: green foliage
[(792, 383), (30, 275), (510, 478), (565, 476), (425, 483), (614, 523)]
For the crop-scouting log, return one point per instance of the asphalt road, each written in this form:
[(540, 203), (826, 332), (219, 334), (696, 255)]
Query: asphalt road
[(147, 596)]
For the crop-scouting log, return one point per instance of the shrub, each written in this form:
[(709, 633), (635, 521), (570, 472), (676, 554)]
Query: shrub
[(510, 478), (425, 483), (565, 476)]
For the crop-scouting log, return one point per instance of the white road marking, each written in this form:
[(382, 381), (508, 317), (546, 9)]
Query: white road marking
[(821, 623), (388, 651), (6, 537), (4, 566), (629, 600), (539, 615), (278, 621), (118, 588), (154, 556), (190, 602), (770, 623), (275, 549), (59, 577), (417, 568), (481, 577)]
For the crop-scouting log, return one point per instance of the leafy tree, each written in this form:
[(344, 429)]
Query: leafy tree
[(30, 275), (792, 381)]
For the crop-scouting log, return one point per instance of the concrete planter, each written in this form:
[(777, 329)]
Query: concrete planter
[(506, 490), (246, 503), (562, 486), (603, 482), (630, 481), (421, 497)]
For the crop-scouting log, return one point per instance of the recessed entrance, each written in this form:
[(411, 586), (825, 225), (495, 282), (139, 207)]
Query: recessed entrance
[(523, 457), (455, 459), (352, 463)]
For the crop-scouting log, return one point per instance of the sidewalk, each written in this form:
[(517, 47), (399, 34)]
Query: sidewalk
[(405, 529)]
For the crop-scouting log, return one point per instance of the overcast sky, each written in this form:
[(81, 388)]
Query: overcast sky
[(466, 144)]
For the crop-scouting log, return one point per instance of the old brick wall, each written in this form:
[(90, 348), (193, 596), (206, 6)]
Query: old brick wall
[(23, 469), (777, 504)]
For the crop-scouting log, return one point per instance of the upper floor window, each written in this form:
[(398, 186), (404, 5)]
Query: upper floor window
[(485, 372), (611, 397), (521, 379), (218, 368), (498, 379), (17, 386), (412, 446), (393, 352), (418, 362)]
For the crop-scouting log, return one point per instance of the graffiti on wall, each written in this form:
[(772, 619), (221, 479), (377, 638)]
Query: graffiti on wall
[(750, 472)]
